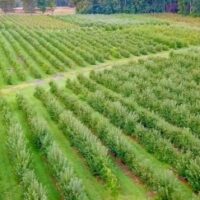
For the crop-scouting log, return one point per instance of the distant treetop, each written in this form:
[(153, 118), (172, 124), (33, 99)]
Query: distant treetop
[(186, 7), (137, 6)]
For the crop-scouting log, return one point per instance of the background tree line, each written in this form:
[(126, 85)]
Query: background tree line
[(189, 7), (138, 6), (30, 5), (109, 6)]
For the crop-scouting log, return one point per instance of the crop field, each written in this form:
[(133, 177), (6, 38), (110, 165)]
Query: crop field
[(99, 107)]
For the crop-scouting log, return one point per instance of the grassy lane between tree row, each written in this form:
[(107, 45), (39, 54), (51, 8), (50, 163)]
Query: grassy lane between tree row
[(28, 87)]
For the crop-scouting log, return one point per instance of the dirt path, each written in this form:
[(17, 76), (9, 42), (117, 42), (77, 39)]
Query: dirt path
[(60, 77)]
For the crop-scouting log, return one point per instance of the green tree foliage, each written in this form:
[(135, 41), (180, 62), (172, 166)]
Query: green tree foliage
[(52, 4), (115, 6), (184, 6), (196, 7), (189, 7), (137, 6), (42, 5)]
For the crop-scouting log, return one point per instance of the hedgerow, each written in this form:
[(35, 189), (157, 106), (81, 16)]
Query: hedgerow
[(82, 138), (71, 186), (151, 139), (161, 180), (182, 138), (20, 155)]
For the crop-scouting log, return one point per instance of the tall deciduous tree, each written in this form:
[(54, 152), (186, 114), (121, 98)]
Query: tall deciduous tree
[(44, 4)]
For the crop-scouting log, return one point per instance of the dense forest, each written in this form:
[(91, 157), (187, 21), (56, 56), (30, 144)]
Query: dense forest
[(138, 6), (186, 7)]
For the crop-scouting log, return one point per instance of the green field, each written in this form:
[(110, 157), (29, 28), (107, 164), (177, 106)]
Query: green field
[(96, 107)]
